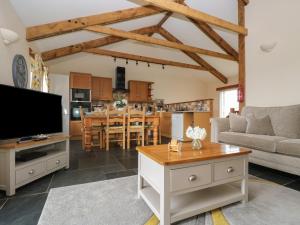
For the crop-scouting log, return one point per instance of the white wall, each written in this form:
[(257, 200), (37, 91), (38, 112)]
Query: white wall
[(273, 78), (9, 20), (172, 84)]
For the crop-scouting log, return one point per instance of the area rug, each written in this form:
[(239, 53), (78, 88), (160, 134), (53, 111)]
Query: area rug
[(114, 202)]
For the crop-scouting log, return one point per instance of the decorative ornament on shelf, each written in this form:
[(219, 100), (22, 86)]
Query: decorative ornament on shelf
[(19, 71), (197, 134), (120, 104)]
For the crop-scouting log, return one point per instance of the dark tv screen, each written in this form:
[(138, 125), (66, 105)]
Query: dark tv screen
[(26, 112)]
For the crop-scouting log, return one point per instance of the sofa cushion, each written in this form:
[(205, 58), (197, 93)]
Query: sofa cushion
[(237, 123), (262, 126), (289, 147), (260, 142), (285, 120)]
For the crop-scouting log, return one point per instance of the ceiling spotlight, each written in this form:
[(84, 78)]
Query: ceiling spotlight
[(115, 59), (148, 64), (126, 61), (163, 66), (137, 63)]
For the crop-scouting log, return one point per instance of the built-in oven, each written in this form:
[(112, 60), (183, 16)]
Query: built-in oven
[(80, 95), (75, 109)]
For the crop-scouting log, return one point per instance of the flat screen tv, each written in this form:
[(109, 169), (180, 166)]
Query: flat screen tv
[(26, 113)]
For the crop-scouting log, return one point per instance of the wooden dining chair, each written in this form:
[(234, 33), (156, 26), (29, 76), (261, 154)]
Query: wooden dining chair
[(97, 130), (149, 128), (136, 126), (115, 130)]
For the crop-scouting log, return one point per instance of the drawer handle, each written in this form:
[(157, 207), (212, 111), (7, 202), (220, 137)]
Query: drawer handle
[(192, 178), (31, 172), (58, 162), (230, 170)]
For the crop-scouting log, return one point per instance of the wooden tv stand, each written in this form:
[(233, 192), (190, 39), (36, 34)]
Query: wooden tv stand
[(14, 174)]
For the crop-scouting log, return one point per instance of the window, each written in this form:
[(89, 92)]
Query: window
[(228, 100)]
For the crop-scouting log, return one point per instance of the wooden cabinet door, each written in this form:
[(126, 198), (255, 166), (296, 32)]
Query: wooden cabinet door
[(75, 128), (143, 89), (80, 80), (166, 124), (132, 91), (96, 89), (106, 88)]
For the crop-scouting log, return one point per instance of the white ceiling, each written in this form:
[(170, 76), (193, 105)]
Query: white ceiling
[(35, 12)]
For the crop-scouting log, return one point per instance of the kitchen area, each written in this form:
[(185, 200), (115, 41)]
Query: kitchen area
[(94, 93)]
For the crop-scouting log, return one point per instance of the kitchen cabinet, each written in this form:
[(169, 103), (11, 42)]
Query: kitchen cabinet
[(139, 91), (166, 124), (80, 80), (202, 119), (75, 130), (101, 88)]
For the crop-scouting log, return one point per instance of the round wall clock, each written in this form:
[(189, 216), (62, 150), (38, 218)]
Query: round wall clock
[(19, 70)]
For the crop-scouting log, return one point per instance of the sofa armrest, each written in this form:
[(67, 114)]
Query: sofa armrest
[(218, 125)]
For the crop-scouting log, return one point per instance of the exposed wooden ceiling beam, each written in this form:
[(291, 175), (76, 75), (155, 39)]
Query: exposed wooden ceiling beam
[(214, 36), (156, 41), (143, 58), (65, 26), (246, 2), (197, 15), (166, 17), (194, 56), (79, 47)]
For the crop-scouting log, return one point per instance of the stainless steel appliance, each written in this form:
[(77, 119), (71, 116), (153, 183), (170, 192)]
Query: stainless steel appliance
[(80, 95), (75, 109)]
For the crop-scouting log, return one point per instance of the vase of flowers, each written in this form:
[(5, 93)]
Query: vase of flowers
[(120, 104), (197, 135)]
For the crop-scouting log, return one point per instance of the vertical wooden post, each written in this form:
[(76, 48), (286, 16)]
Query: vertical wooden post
[(242, 58)]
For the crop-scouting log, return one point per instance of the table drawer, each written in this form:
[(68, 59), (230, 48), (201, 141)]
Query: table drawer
[(190, 177), (56, 162), (228, 169), (29, 172)]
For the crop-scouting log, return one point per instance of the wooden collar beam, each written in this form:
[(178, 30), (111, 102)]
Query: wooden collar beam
[(156, 41), (66, 26), (79, 47), (142, 58), (197, 15)]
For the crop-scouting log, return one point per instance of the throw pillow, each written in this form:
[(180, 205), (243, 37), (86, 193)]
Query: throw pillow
[(262, 126), (237, 123)]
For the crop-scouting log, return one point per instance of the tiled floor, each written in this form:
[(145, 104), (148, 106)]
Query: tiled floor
[(26, 206)]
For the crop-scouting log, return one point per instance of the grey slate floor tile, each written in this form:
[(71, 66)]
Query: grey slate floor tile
[(120, 174), (294, 185), (22, 210)]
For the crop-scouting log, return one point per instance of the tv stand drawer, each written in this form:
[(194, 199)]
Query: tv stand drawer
[(56, 162), (29, 172)]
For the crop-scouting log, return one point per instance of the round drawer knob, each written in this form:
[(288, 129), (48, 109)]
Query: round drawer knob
[(58, 162), (31, 172), (230, 170), (192, 178)]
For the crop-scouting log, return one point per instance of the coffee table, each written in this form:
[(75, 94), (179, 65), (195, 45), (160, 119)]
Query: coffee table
[(177, 186)]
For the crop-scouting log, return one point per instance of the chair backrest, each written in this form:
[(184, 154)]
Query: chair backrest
[(136, 117), (81, 113), (115, 117)]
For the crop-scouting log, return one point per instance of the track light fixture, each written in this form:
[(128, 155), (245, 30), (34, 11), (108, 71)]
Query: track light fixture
[(163, 66), (137, 63), (126, 61), (148, 64), (115, 59)]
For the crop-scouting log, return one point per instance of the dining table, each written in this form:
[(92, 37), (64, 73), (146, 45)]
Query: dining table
[(99, 119)]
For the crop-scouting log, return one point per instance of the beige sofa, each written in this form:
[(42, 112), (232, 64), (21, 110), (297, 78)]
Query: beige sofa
[(281, 151)]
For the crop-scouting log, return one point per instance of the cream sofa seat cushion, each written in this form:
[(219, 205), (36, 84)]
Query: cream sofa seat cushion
[(289, 147), (260, 142)]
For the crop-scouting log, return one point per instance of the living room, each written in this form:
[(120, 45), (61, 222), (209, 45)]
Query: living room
[(224, 71)]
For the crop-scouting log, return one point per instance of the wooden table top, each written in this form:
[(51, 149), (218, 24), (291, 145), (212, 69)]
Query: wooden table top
[(163, 156)]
